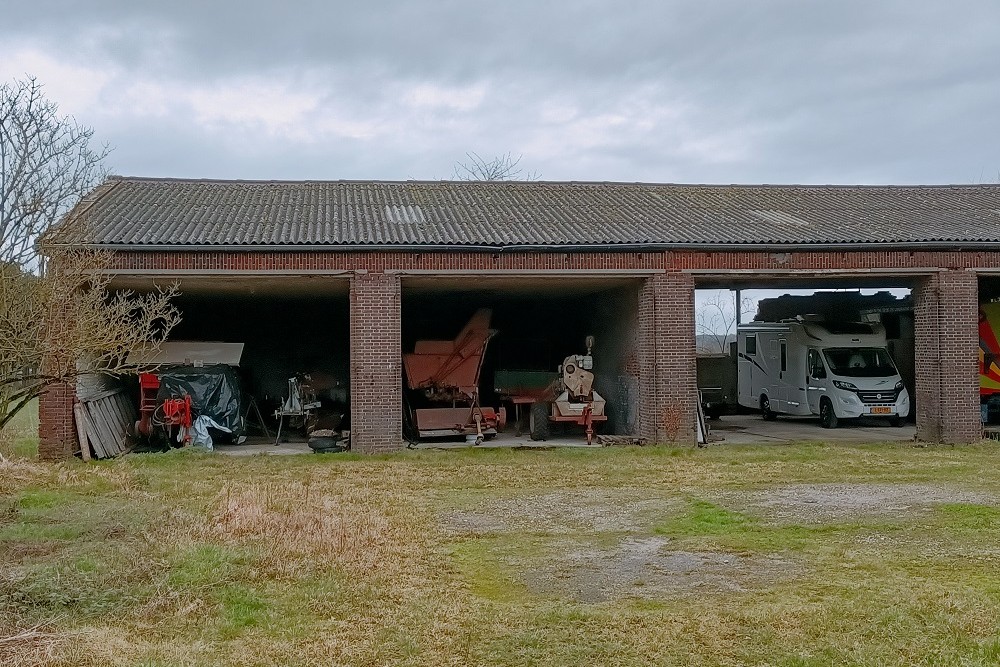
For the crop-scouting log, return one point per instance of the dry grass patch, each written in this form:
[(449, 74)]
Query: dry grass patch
[(17, 473), (297, 520), (507, 558), (31, 646)]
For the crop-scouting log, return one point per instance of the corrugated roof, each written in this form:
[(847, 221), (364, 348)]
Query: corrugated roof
[(140, 212)]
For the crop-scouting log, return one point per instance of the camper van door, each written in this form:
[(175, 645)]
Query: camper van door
[(777, 366), (784, 395), (816, 381)]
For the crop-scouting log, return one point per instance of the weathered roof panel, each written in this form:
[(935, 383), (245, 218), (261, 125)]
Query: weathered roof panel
[(129, 212)]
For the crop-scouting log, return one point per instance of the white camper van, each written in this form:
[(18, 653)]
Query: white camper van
[(834, 370)]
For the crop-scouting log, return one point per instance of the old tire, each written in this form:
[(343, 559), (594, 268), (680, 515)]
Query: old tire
[(765, 408), (539, 421), (827, 416)]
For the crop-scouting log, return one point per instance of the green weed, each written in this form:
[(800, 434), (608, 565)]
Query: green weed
[(192, 559)]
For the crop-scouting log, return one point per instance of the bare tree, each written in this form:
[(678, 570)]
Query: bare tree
[(56, 327), (504, 167), (715, 320), (62, 321), (46, 164)]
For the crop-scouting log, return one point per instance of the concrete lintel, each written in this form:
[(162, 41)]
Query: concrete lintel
[(847, 273), (532, 273), (235, 273)]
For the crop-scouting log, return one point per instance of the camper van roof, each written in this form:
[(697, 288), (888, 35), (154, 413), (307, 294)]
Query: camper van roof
[(848, 327), (831, 328), (838, 328)]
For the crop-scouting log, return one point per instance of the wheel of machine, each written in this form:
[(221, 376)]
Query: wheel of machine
[(896, 421), (765, 408), (539, 421), (827, 417)]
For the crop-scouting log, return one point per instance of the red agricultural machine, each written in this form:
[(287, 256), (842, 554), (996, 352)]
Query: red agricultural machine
[(168, 413), (444, 374), (567, 398)]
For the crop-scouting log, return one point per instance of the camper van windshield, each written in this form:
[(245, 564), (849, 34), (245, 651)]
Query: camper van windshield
[(859, 362)]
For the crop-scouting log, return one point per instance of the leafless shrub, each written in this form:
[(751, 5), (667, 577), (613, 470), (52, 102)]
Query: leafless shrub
[(52, 318), (715, 320), (46, 164), (50, 324), (504, 167)]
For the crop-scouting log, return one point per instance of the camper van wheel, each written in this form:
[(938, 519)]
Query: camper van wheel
[(896, 421), (827, 417), (765, 408), (538, 422)]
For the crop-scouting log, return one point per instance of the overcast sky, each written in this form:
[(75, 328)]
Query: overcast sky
[(792, 91)]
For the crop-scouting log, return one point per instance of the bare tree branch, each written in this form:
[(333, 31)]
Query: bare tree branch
[(715, 320), (504, 167), (68, 323), (46, 164), (58, 324)]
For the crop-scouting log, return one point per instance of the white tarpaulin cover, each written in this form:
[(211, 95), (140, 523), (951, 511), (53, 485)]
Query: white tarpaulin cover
[(198, 353)]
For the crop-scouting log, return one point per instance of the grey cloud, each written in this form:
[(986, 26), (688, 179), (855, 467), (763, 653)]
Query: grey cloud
[(850, 91)]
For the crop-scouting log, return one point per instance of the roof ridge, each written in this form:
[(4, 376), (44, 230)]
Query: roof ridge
[(464, 183)]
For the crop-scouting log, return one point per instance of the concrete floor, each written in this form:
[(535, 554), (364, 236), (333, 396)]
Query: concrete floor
[(265, 447), (730, 429), (257, 446), (752, 429), (509, 439)]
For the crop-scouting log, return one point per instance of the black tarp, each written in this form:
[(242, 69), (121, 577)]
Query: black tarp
[(214, 391)]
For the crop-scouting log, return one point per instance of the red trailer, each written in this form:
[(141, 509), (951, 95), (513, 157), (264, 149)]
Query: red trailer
[(445, 375)]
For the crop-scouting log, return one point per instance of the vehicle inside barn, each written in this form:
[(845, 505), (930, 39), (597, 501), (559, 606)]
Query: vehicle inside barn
[(782, 371), (283, 378), (553, 364)]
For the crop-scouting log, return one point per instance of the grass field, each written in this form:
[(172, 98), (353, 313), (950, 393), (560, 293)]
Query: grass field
[(779, 555), (20, 437)]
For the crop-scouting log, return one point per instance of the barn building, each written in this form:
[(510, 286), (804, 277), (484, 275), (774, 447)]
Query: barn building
[(343, 277)]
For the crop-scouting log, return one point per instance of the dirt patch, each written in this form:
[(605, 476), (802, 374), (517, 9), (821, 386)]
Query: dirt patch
[(644, 567), (16, 552), (560, 513), (822, 503)]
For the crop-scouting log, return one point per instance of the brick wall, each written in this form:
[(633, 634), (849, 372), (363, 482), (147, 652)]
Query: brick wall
[(945, 343), (376, 361), (666, 359), (946, 357), (381, 261), (56, 429)]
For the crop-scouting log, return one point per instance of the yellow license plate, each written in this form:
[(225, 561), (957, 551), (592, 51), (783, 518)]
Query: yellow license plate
[(881, 411)]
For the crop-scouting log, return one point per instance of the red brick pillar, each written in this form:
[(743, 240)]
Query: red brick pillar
[(56, 431), (668, 384), (946, 350), (376, 361)]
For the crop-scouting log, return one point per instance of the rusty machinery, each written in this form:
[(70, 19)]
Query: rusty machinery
[(445, 375), (569, 398), (166, 413), (299, 407)]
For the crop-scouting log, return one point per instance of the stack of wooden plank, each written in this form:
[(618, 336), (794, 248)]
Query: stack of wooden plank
[(102, 425)]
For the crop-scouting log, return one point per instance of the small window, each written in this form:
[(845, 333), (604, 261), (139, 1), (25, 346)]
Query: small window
[(752, 344), (784, 356), (816, 369)]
